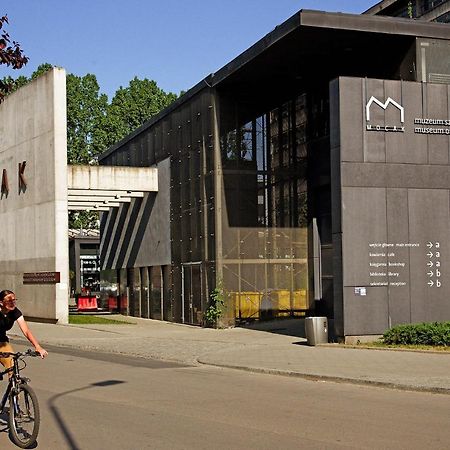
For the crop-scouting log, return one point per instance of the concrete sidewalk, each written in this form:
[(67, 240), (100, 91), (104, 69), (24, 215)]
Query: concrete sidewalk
[(278, 348)]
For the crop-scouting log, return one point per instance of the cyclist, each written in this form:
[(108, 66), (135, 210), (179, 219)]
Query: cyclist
[(9, 313)]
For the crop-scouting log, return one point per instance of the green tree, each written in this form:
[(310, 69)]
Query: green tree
[(86, 119), (86, 132), (10, 55), (132, 106), (22, 80), (83, 219), (86, 114), (42, 68), (410, 10)]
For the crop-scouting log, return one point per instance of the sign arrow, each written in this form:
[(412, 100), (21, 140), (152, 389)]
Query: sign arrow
[(430, 283), (429, 254), (430, 264), (430, 244), (430, 273)]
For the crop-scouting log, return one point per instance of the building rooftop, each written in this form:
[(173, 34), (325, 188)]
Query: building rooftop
[(307, 46)]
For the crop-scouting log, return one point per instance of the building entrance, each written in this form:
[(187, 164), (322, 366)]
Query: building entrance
[(192, 294)]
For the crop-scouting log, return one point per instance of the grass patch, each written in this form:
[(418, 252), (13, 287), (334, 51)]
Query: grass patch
[(95, 320)]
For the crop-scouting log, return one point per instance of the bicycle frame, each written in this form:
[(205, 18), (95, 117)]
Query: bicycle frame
[(14, 380), (5, 397)]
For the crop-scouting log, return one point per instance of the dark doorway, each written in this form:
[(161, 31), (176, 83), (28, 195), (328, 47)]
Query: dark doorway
[(192, 294)]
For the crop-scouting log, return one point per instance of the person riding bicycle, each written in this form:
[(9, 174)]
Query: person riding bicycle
[(9, 313)]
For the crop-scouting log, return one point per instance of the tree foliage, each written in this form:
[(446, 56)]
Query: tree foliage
[(216, 305), (10, 55), (16, 83), (86, 119), (42, 68), (86, 135), (132, 106), (83, 219), (93, 124)]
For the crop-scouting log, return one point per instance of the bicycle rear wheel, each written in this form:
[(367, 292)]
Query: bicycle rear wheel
[(24, 417)]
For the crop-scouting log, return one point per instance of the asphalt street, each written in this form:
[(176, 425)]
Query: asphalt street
[(93, 400), (279, 347)]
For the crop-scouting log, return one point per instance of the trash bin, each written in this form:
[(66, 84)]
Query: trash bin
[(316, 329)]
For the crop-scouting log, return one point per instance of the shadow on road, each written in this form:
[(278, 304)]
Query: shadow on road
[(71, 442)]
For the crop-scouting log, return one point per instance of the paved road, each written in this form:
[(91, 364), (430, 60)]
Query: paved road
[(278, 348), (104, 401)]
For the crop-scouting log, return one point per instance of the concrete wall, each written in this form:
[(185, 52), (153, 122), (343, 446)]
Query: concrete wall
[(34, 219), (137, 234), (112, 178), (391, 204)]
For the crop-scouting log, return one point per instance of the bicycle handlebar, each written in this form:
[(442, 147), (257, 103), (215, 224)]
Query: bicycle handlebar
[(16, 355)]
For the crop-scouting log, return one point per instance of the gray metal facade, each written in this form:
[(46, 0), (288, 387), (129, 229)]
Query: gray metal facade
[(391, 200)]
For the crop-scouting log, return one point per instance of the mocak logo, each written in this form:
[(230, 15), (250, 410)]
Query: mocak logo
[(389, 101)]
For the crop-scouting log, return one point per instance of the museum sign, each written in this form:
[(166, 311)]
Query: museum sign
[(421, 125)]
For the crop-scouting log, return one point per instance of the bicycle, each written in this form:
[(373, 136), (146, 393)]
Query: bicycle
[(24, 417)]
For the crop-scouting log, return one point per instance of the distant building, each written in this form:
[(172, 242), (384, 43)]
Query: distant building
[(428, 10), (84, 260)]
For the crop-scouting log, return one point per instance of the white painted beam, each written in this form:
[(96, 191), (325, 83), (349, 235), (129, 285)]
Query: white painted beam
[(87, 204), (100, 192), (88, 198), (113, 178), (87, 208)]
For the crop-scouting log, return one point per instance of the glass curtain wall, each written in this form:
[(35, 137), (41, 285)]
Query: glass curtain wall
[(265, 210), (154, 288), (192, 210)]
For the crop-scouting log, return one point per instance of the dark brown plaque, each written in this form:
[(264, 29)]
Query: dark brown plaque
[(41, 277)]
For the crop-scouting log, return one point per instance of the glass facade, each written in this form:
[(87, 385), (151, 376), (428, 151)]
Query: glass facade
[(192, 218), (433, 63), (260, 174), (175, 285), (445, 18), (264, 162), (240, 209)]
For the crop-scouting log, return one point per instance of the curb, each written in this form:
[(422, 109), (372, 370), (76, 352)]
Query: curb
[(388, 349), (332, 379)]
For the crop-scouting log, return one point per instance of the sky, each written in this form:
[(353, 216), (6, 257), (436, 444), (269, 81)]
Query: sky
[(177, 43)]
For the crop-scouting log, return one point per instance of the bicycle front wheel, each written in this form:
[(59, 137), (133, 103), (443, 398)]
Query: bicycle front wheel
[(24, 417)]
